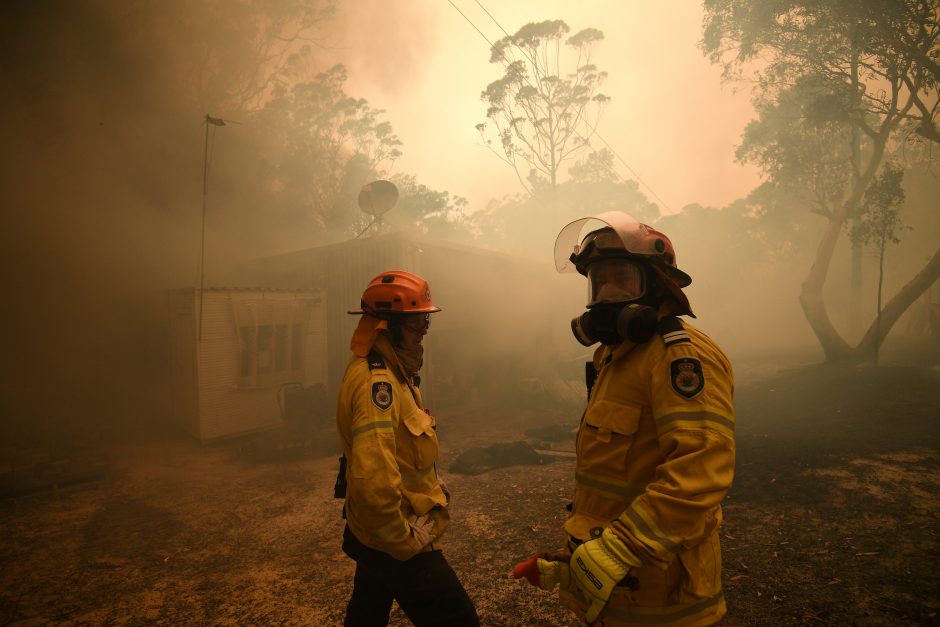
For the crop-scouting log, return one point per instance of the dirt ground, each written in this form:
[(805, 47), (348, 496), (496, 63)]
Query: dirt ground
[(833, 519)]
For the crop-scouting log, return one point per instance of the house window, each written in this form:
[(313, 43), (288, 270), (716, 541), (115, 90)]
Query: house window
[(271, 342)]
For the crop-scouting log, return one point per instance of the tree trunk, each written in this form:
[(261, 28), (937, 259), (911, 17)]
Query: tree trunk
[(811, 299), (855, 280), (895, 307), (814, 308), (881, 283), (855, 290)]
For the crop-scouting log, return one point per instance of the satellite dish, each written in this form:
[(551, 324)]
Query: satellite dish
[(378, 197)]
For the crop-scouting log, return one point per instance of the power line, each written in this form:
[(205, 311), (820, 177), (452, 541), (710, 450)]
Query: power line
[(472, 24), (480, 4), (593, 129), (632, 171)]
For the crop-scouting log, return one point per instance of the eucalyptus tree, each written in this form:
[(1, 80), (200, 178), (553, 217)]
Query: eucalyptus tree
[(546, 106), (838, 85), (322, 145)]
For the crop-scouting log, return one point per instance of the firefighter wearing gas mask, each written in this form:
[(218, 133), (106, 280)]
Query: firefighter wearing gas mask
[(655, 447), (395, 502)]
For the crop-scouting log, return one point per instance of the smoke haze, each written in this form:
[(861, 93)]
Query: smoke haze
[(102, 120)]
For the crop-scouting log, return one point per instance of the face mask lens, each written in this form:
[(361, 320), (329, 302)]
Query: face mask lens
[(615, 281)]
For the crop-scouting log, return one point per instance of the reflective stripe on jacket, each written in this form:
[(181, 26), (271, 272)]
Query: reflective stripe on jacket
[(655, 458), (391, 449)]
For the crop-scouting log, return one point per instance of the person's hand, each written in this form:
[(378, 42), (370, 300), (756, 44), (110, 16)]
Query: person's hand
[(422, 528), (597, 566), (545, 571)]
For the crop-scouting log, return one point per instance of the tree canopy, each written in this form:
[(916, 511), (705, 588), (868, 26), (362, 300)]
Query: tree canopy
[(545, 108), (324, 145), (839, 85)]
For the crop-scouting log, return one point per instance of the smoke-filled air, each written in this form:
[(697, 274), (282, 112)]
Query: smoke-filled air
[(196, 194)]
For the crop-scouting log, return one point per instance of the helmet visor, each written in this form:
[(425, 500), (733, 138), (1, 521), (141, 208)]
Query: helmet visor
[(627, 234), (615, 281)]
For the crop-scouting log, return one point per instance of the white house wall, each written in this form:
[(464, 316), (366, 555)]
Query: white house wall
[(210, 365)]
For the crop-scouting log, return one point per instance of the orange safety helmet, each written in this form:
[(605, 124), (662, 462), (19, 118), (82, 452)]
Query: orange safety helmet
[(396, 292)]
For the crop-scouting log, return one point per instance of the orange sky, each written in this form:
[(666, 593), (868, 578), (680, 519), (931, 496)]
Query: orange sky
[(671, 120)]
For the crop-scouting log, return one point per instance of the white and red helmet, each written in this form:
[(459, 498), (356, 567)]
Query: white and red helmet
[(615, 235)]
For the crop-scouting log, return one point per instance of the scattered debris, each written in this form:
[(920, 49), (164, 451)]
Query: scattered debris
[(481, 459)]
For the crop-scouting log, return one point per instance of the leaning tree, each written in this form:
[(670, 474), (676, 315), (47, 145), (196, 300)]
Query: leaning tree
[(838, 85)]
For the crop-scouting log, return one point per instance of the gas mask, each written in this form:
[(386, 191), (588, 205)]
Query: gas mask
[(620, 307), (611, 324)]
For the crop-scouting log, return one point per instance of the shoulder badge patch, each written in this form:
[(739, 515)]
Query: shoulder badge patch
[(686, 376), (382, 394)]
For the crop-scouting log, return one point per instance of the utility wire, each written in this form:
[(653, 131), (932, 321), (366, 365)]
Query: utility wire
[(492, 18), (472, 24), (593, 129), (632, 171)]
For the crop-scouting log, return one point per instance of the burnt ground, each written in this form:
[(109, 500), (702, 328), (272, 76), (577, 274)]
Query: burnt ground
[(834, 518)]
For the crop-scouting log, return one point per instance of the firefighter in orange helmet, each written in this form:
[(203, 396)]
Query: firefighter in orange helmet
[(396, 505), (655, 448)]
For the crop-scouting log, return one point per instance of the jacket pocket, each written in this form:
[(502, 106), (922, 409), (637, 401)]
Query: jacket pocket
[(422, 438), (701, 569), (607, 434)]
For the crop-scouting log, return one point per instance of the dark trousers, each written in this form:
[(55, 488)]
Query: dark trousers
[(425, 586)]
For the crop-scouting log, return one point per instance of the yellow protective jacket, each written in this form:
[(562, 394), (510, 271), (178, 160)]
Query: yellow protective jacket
[(391, 449), (655, 457)]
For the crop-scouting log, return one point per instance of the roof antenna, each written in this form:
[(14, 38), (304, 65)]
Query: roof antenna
[(377, 198)]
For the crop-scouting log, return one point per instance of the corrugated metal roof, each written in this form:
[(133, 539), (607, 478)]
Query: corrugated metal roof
[(420, 240)]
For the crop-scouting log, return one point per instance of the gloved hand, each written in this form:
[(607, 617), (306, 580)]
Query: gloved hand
[(545, 571), (597, 566), (422, 528)]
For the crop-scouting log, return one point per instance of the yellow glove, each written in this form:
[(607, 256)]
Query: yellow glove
[(597, 566), (546, 571)]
